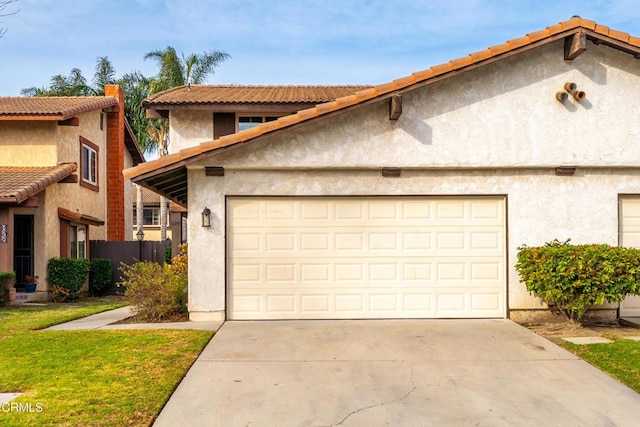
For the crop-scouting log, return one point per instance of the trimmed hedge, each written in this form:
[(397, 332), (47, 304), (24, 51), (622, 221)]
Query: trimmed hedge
[(7, 279), (570, 278), (67, 275), (100, 276)]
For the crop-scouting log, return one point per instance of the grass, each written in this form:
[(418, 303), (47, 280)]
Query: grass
[(620, 359), (89, 378)]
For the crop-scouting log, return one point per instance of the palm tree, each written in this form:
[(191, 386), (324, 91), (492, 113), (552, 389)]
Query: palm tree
[(75, 84), (136, 88), (105, 74), (175, 71)]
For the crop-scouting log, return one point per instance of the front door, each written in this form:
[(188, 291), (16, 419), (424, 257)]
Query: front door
[(23, 247)]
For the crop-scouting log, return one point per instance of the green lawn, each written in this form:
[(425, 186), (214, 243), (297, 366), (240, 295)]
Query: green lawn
[(89, 378), (620, 359)]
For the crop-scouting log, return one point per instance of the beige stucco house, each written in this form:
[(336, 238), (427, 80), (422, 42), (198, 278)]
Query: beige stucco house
[(200, 113), (410, 199), (61, 180), (151, 217)]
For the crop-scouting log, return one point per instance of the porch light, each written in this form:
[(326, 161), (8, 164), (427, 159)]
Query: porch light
[(206, 217)]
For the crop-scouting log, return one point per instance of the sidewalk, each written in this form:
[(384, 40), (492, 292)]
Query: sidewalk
[(106, 320)]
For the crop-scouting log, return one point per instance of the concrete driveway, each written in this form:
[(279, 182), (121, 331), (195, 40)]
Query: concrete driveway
[(395, 373)]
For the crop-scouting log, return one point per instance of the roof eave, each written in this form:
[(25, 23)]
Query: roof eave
[(382, 92)]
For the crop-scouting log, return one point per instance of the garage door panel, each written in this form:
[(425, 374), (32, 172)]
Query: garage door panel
[(370, 303), (396, 257), (629, 224)]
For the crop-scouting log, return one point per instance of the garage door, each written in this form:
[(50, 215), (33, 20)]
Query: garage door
[(353, 258), (630, 236)]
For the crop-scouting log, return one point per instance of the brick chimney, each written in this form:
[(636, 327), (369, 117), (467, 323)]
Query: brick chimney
[(115, 165)]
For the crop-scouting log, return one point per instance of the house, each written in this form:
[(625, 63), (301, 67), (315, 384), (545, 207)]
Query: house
[(199, 113), (61, 180), (411, 198), (151, 217)]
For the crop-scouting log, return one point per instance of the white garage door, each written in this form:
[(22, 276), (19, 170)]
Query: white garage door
[(373, 257), (630, 236)]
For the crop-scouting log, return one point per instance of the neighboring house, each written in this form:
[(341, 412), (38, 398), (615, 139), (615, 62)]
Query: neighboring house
[(61, 180), (151, 216), (199, 113), (410, 199)]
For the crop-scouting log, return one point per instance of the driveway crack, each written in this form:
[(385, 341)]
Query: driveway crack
[(400, 399)]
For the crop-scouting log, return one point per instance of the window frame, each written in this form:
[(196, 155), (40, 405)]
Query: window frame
[(155, 215), (263, 117), (78, 248), (94, 167)]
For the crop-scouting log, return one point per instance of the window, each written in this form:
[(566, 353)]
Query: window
[(150, 216), (88, 164), (248, 122), (78, 241)]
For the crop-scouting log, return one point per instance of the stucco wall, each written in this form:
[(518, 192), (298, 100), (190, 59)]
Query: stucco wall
[(75, 197), (34, 143), (188, 128), (26, 143), (494, 131)]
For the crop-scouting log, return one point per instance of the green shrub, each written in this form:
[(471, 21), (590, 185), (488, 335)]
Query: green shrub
[(100, 276), (179, 268), (570, 278), (7, 279), (68, 274), (167, 254), (157, 292)]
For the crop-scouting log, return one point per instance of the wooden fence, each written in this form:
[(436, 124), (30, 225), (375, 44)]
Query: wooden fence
[(127, 252)]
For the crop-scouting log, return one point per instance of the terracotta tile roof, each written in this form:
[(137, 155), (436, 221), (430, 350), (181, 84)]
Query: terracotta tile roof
[(17, 184), (172, 167), (51, 108), (236, 94)]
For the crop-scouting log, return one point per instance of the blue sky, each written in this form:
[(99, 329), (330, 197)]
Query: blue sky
[(276, 41)]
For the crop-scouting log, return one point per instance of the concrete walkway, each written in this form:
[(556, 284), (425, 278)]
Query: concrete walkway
[(106, 319), (393, 372)]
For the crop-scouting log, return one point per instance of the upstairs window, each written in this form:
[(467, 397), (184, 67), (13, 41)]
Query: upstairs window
[(88, 164), (248, 122)]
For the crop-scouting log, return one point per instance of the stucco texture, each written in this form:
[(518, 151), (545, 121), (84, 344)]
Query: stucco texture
[(46, 143), (189, 128), (497, 130)]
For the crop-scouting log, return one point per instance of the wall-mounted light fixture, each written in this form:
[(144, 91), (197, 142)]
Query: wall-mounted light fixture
[(206, 217)]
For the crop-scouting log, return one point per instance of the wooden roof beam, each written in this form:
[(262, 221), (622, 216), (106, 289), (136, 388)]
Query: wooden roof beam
[(157, 114), (73, 121), (575, 45), (395, 106)]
